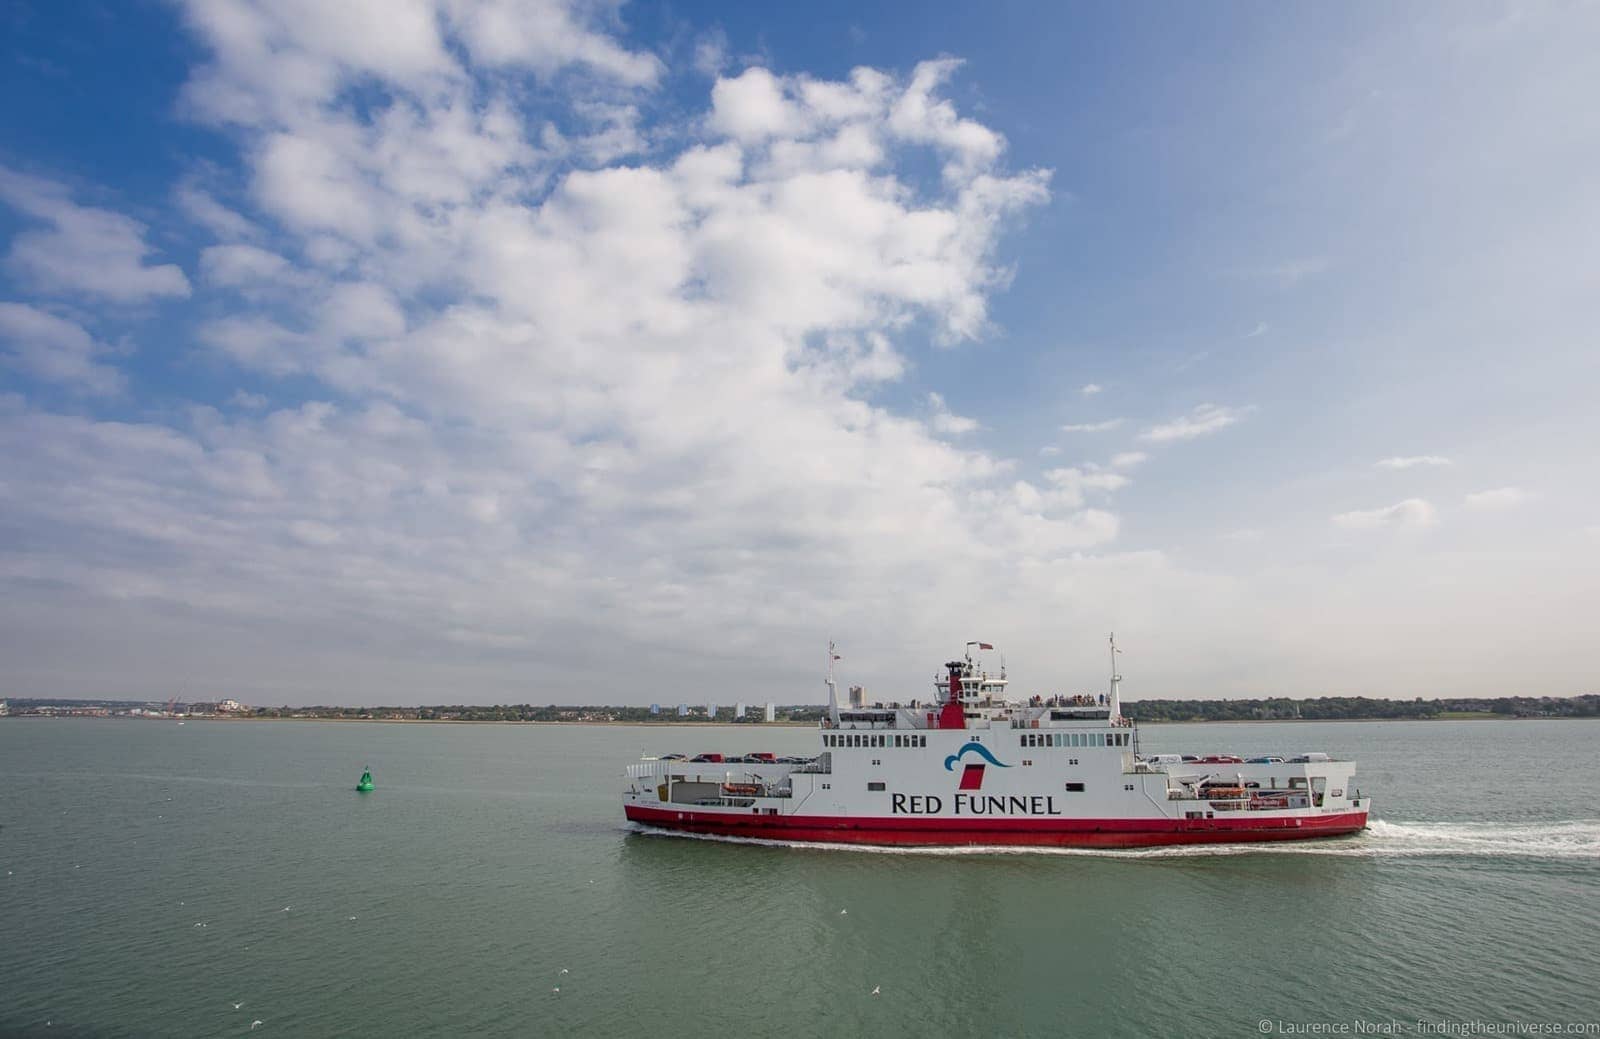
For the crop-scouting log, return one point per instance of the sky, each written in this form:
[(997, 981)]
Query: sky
[(422, 351)]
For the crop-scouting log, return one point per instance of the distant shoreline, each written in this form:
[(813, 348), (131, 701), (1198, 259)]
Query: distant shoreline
[(755, 726), (412, 721)]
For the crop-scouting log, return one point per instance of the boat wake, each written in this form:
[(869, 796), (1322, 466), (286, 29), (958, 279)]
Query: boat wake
[(1556, 839), (1562, 839)]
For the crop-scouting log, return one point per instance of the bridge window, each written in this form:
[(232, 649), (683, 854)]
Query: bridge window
[(875, 786), (1074, 788)]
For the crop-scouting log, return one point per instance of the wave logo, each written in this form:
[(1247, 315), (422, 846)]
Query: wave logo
[(972, 771)]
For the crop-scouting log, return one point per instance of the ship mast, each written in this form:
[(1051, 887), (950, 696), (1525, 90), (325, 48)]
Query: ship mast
[(1115, 698), (833, 690)]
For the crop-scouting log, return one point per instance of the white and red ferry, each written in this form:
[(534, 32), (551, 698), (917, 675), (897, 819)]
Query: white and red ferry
[(971, 767)]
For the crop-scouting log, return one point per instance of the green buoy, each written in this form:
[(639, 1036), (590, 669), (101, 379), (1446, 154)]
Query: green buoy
[(366, 781)]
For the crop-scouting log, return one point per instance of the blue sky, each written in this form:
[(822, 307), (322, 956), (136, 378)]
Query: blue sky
[(550, 351)]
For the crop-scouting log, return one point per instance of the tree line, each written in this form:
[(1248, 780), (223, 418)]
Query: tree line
[(1328, 708)]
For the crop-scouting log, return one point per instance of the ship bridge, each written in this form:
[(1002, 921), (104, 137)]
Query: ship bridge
[(968, 696)]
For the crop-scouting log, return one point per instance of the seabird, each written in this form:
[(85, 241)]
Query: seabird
[(875, 989), (843, 912), (253, 1024), (563, 970), (236, 1006)]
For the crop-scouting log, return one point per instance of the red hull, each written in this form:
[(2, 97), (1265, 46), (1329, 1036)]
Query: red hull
[(1059, 833)]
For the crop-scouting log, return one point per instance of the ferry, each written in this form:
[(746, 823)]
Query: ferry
[(971, 766)]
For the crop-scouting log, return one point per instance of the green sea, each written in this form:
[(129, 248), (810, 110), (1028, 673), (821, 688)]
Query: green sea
[(153, 875)]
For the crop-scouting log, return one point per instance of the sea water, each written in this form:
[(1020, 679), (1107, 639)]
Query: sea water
[(153, 875)]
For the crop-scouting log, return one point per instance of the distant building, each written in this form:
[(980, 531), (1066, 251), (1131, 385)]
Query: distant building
[(772, 712), (738, 710), (858, 696), (655, 708), (683, 710), (231, 707), (711, 711), (4, 710)]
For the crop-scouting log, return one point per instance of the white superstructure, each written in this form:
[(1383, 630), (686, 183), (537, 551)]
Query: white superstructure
[(972, 766)]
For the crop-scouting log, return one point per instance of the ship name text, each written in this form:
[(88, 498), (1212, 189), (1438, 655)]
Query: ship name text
[(973, 804)]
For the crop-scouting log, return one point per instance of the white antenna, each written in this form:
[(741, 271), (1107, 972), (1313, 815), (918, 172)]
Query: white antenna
[(1115, 698), (833, 690)]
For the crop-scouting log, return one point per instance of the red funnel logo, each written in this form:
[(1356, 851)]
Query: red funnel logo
[(972, 771)]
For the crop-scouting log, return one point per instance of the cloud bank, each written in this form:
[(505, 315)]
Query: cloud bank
[(571, 391)]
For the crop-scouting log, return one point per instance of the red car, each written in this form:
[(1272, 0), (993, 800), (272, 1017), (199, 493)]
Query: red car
[(763, 757), (1221, 759), (707, 757)]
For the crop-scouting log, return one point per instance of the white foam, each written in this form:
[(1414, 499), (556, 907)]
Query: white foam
[(1561, 839)]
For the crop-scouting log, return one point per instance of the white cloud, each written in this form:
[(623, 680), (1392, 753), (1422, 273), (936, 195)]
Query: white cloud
[(751, 108), (1089, 389), (55, 350), (199, 205), (616, 406), (1128, 459), (1411, 461), (252, 270), (1259, 330), (615, 132), (545, 36), (1202, 421), (919, 115), (1412, 513), (943, 420), (711, 53), (1092, 427), (84, 250), (1498, 498)]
